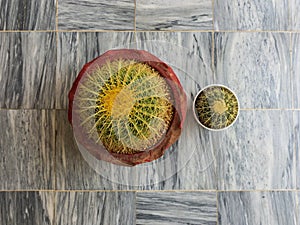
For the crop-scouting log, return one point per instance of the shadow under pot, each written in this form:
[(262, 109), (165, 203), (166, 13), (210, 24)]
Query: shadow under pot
[(126, 107), (216, 107)]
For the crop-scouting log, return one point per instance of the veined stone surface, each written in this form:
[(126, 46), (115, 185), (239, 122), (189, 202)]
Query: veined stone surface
[(247, 174)]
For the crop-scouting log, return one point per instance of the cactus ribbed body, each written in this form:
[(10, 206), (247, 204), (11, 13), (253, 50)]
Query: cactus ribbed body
[(128, 104)]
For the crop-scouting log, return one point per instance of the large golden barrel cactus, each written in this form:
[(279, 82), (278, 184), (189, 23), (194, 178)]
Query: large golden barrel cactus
[(127, 107)]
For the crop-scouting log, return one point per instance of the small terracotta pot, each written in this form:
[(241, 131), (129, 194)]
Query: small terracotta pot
[(88, 141)]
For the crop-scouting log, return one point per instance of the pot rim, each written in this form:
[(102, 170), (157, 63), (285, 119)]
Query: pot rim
[(194, 110)]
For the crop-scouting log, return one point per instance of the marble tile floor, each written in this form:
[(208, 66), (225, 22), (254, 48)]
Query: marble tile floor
[(247, 174)]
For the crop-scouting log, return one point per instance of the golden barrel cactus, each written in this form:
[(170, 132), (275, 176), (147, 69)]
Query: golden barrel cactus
[(126, 107), (216, 107)]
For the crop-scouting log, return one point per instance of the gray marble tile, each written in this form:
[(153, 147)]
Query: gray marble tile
[(96, 15), (176, 208), (174, 15), (263, 208), (76, 49), (251, 15), (256, 66), (189, 53), (296, 69), (257, 153), (295, 17), (27, 15), (86, 208), (27, 77), (27, 149), (26, 208)]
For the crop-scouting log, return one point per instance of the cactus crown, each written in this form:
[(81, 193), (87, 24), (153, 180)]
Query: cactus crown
[(216, 107), (127, 104)]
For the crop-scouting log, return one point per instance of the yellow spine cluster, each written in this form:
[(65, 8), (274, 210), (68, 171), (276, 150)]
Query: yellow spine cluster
[(127, 104)]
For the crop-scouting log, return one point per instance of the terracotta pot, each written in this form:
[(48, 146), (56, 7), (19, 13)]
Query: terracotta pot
[(90, 141)]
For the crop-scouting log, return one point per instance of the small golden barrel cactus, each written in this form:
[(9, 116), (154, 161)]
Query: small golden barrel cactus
[(126, 107), (216, 107)]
